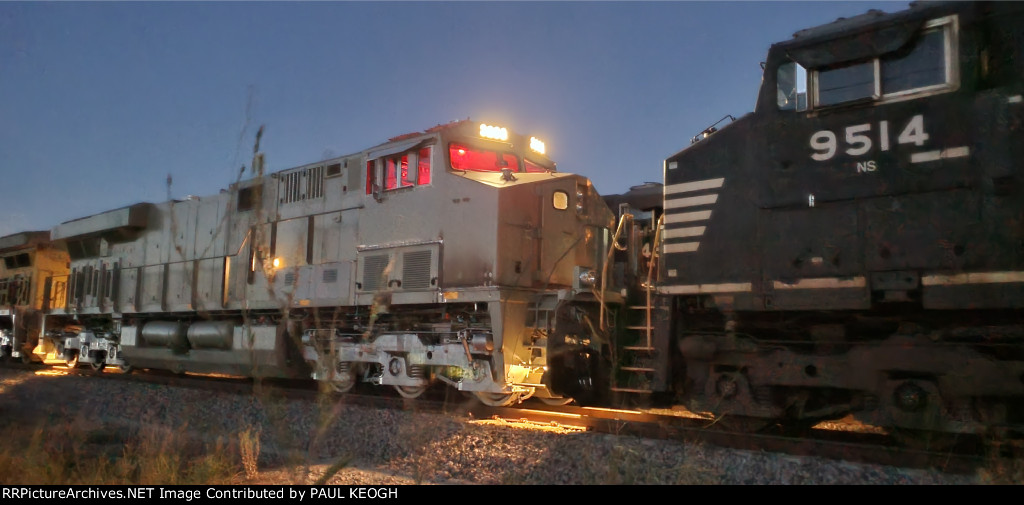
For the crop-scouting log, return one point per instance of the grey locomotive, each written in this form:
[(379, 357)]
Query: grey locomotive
[(438, 256)]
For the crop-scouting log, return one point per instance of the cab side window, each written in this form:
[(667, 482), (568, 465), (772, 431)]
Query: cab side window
[(404, 170), (926, 65), (791, 79)]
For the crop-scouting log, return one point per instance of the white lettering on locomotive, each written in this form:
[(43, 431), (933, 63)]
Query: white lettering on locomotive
[(859, 140), (866, 166)]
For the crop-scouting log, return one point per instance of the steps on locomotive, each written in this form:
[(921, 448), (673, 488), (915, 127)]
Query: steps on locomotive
[(636, 360)]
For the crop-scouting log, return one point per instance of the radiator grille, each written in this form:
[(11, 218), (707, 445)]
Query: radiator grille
[(416, 269), (304, 184), (373, 272), (331, 276)]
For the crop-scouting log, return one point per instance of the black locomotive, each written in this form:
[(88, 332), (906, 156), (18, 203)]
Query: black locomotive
[(855, 246)]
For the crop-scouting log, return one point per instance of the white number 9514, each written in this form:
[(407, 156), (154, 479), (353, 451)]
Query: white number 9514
[(859, 142)]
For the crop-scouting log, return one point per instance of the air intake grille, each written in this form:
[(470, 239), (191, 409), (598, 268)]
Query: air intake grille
[(304, 184), (331, 276), (416, 270), (289, 279), (373, 272)]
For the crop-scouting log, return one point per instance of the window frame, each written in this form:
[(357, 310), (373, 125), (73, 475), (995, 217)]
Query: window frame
[(518, 166), (949, 26), (377, 170)]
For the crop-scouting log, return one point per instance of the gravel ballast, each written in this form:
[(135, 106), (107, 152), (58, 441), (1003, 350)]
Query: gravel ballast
[(300, 439)]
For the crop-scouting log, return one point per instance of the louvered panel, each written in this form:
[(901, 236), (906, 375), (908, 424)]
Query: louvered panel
[(373, 272), (416, 269)]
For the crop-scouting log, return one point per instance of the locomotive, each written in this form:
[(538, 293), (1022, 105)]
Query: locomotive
[(854, 246), (438, 256)]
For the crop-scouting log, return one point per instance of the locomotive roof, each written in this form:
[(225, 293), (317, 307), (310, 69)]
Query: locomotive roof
[(870, 19), (644, 197), (842, 40), (23, 240)]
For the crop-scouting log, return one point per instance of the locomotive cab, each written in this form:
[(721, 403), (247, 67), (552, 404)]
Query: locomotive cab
[(30, 265), (512, 236), (878, 177)]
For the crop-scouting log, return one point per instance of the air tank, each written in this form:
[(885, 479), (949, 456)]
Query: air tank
[(211, 334), (165, 334)]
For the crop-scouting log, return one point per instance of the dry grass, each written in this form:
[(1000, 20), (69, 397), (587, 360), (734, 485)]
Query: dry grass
[(77, 452), (249, 447)]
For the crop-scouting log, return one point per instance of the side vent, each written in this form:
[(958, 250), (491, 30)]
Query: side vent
[(404, 268), (416, 269), (289, 279), (331, 276), (373, 272), (301, 184)]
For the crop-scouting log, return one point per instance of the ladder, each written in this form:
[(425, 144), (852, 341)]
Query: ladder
[(637, 360)]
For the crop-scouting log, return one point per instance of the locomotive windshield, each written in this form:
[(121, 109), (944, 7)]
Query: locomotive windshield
[(472, 159)]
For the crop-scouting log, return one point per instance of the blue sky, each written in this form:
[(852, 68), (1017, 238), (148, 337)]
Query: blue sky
[(100, 102)]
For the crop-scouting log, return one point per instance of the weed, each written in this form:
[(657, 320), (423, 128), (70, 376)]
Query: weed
[(249, 446)]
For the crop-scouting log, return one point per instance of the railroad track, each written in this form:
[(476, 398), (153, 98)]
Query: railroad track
[(844, 440)]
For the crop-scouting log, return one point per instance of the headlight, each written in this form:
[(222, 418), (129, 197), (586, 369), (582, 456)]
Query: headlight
[(493, 132), (537, 145)]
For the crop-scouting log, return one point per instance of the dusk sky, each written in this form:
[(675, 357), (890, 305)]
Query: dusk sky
[(100, 102)]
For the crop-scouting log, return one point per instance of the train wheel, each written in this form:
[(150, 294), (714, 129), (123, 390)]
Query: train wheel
[(98, 365), (556, 401), (125, 368), (72, 360), (497, 399), (342, 385), (410, 391)]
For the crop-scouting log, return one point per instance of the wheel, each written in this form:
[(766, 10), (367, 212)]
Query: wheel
[(342, 385), (556, 401), (497, 399), (98, 365), (125, 368), (410, 391), (341, 380), (71, 361)]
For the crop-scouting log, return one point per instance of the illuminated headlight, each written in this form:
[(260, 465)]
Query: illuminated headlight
[(588, 278), (493, 132), (277, 262), (537, 145)]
